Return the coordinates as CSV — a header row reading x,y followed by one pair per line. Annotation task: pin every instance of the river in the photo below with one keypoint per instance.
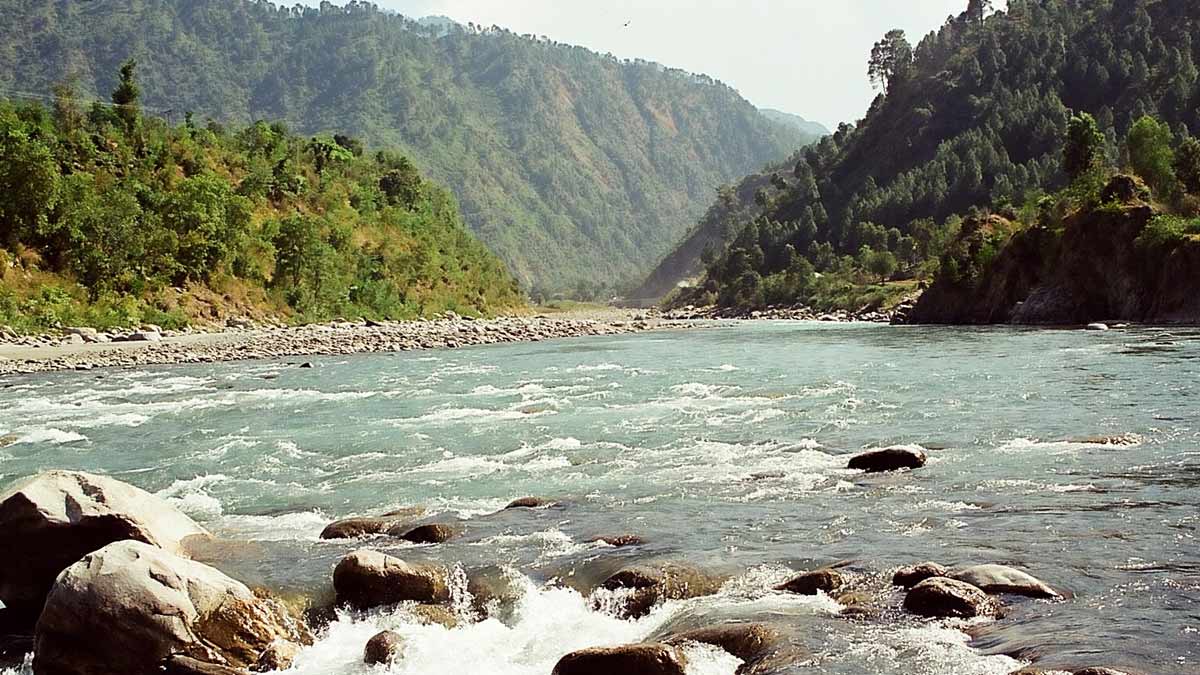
x,y
1073,455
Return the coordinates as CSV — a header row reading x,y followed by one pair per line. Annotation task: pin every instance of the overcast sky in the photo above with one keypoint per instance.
x,y
807,57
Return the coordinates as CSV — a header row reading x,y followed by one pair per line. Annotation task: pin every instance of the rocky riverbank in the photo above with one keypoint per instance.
x,y
85,349
798,313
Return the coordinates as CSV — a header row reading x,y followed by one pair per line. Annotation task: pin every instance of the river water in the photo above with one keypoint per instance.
x,y
1074,455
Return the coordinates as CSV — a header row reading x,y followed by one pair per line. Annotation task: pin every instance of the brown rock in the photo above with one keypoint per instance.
x,y
129,606
747,641
640,659
184,665
433,533
280,655
907,577
352,528
653,584
811,583
383,649
619,540
1095,670
51,520
528,503
889,459
366,579
940,597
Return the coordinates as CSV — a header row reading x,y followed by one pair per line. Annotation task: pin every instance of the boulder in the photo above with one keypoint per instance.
x,y
1001,579
747,641
130,605
51,520
529,503
383,649
432,533
352,528
889,459
1095,670
651,584
279,655
811,583
184,665
366,579
144,336
907,577
618,540
940,597
640,659
1125,189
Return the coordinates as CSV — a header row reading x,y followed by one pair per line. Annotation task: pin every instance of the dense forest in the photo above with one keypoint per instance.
x,y
975,116
578,169
112,217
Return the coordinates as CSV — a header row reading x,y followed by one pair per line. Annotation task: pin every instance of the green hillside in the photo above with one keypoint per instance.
x,y
109,217
579,170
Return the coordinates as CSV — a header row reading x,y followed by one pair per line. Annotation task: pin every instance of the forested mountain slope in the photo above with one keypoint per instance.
x,y
576,168
973,116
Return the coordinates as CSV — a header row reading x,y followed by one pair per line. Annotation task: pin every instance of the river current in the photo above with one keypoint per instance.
x,y
1073,455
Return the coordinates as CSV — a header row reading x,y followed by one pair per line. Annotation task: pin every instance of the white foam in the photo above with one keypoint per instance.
x,y
933,649
49,436
26,668
191,496
300,526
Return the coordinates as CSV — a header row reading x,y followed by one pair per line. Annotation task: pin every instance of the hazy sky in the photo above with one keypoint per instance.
x,y
808,57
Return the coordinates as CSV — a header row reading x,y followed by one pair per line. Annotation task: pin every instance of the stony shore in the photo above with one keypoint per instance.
x,y
84,349
798,313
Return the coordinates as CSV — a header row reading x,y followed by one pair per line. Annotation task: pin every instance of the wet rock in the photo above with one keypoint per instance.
x,y
280,655
353,528
907,577
811,583
640,659
940,597
434,615
529,503
51,520
185,665
383,649
1100,671
1001,579
619,540
1097,326
857,604
163,604
750,642
652,584
8,439
432,533
889,459
366,579
493,592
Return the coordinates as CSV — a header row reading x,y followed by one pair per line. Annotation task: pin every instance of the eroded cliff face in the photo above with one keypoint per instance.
x,y
1093,271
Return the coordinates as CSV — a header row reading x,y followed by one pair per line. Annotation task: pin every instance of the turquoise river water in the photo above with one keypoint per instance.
x,y
725,448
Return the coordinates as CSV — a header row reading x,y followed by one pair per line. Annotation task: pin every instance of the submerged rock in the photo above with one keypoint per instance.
x,y
811,583
366,579
129,606
353,528
907,577
940,597
51,520
652,584
383,649
529,503
433,533
889,459
280,655
619,540
640,659
1001,579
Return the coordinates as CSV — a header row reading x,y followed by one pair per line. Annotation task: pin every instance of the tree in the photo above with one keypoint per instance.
x,y
126,96
881,263
29,181
977,10
890,60
1084,146
1151,156
1187,164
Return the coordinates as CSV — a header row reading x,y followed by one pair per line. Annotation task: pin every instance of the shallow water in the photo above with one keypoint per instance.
x,y
724,447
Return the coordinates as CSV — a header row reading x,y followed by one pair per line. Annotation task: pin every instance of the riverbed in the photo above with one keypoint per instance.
x,y
1073,455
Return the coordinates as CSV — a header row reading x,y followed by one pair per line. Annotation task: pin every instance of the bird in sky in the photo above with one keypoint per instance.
x,y
627,23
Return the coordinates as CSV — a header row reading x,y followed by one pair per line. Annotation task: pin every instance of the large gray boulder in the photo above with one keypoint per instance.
x,y
126,608
1001,579
51,520
366,579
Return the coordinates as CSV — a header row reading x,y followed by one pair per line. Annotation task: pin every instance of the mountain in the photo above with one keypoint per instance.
x,y
578,169
813,130
115,218
973,117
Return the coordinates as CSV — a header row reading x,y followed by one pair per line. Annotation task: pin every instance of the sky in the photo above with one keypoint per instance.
x,y
807,57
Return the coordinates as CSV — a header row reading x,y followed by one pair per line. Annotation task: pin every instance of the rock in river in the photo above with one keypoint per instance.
x,y
352,528
940,597
811,583
128,606
366,579
432,533
384,648
907,577
647,585
998,579
51,520
639,659
889,459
